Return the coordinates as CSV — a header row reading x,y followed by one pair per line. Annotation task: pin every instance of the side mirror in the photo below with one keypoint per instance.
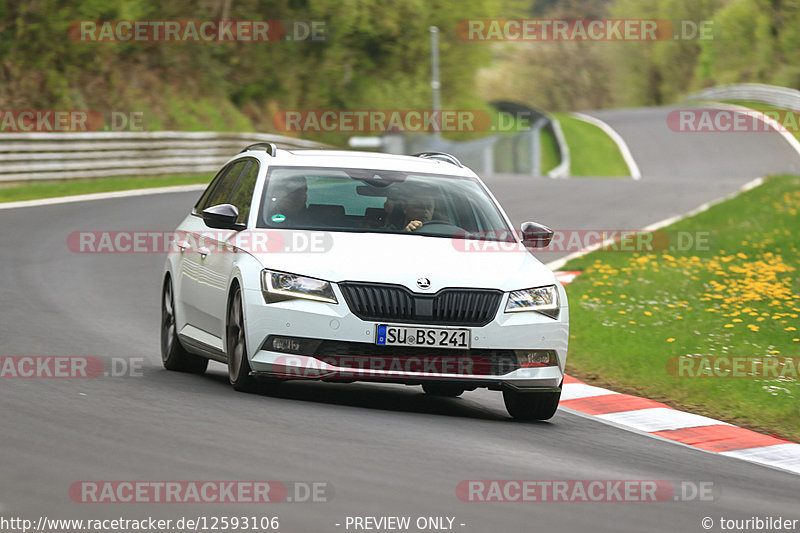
x,y
222,216
536,235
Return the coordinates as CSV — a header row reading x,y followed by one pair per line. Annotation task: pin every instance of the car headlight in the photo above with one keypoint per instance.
x,y
279,286
540,299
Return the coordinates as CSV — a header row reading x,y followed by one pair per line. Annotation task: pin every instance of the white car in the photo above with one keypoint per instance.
x,y
355,266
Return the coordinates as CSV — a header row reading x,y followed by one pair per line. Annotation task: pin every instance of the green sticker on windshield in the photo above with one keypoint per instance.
x,y
278,218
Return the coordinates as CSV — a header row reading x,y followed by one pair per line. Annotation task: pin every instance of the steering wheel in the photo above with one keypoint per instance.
x,y
439,226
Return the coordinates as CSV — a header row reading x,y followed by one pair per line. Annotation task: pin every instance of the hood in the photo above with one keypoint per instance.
x,y
402,259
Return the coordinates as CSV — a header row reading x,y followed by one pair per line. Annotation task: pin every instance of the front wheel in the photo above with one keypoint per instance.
x,y
238,365
173,355
531,405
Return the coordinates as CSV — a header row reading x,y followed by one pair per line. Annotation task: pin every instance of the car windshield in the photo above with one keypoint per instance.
x,y
380,201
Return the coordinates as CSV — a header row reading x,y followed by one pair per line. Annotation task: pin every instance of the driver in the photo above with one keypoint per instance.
x,y
418,208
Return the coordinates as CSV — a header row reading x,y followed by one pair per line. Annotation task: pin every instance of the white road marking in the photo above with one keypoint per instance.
x,y
633,167
783,456
102,196
572,391
788,136
558,264
659,419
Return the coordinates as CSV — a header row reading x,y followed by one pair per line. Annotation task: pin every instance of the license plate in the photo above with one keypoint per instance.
x,y
429,337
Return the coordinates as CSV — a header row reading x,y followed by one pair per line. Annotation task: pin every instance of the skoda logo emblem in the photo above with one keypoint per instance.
x,y
423,283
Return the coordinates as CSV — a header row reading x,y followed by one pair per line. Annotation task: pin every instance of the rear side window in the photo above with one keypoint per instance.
x,y
242,196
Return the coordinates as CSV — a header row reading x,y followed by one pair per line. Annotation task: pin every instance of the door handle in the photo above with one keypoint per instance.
x,y
203,252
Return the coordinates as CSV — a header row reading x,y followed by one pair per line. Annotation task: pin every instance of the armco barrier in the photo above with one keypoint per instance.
x,y
782,97
52,156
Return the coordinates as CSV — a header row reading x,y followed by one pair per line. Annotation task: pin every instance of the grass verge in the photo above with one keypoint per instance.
x,y
592,152
50,189
549,152
738,298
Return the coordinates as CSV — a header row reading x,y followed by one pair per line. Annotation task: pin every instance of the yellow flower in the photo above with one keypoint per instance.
x,y
728,325
671,339
753,327
648,313
737,319
791,328
622,312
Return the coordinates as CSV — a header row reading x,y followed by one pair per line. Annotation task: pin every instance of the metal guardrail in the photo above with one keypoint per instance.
x,y
495,154
783,97
46,156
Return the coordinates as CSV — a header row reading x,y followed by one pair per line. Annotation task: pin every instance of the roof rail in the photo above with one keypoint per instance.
x,y
270,148
440,156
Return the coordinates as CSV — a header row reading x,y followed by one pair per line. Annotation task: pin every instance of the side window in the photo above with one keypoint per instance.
x,y
242,196
222,193
202,203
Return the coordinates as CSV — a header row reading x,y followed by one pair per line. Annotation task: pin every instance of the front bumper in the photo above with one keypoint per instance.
x,y
350,352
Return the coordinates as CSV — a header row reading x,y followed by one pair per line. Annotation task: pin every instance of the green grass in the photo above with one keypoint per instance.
x,y
792,123
631,313
201,114
51,189
592,152
549,151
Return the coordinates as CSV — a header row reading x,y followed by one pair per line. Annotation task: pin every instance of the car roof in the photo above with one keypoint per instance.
x,y
437,164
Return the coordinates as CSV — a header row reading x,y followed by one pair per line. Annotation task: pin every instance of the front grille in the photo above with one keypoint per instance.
x,y
395,303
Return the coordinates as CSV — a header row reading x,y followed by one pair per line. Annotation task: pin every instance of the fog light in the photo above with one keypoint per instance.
x,y
536,358
293,345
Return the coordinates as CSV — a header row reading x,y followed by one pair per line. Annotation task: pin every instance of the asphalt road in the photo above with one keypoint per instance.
x,y
382,449
680,171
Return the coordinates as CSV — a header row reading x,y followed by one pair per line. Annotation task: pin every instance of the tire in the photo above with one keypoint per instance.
x,y
173,355
442,389
531,405
236,346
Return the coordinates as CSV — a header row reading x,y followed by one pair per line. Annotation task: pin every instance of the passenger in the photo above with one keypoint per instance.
x,y
287,200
